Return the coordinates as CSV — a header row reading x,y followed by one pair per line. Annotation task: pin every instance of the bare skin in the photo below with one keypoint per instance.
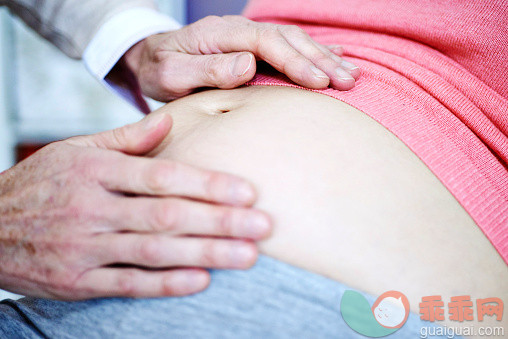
x,y
221,52
78,206
348,199
76,209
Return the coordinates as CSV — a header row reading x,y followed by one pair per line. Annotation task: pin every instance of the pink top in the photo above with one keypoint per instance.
x,y
434,75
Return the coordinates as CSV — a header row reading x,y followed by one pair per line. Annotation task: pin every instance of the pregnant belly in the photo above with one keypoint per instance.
x,y
349,200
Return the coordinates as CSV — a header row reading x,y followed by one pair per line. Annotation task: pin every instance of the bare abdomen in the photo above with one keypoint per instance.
x,y
350,201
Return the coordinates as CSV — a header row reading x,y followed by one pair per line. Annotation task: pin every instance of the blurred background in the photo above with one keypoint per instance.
x,y
45,96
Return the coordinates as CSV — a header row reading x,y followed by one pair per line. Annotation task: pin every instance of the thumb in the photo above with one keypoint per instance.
x,y
136,139
228,70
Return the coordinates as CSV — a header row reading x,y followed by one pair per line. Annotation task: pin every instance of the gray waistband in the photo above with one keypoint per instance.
x,y
271,300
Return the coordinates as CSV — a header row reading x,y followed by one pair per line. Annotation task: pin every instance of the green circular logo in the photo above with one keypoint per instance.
x,y
388,313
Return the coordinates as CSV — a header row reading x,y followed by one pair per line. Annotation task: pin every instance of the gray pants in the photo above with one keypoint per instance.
x,y
271,300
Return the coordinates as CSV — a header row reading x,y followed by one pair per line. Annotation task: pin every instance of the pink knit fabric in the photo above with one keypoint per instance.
x,y
434,74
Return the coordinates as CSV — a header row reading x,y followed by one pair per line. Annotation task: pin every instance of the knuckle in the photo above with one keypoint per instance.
x,y
158,175
270,33
212,70
126,283
120,135
319,58
54,146
290,29
225,221
235,18
209,257
211,20
167,216
169,285
215,185
150,250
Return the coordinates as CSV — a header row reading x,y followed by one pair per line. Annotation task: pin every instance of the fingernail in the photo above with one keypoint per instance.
x,y
243,193
257,225
241,255
352,69
343,75
336,49
151,121
348,65
318,73
242,64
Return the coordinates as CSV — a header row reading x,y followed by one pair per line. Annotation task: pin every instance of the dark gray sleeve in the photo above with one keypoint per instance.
x,y
70,24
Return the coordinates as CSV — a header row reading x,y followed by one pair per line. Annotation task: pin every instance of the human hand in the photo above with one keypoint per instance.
x,y
220,52
85,218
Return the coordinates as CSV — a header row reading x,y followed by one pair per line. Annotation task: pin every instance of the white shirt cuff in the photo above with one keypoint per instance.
x,y
117,35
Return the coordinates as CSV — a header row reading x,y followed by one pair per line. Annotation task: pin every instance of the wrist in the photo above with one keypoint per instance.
x,y
132,58
124,76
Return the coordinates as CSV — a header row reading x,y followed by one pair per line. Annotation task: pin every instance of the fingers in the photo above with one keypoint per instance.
x,y
185,217
138,138
287,48
320,56
278,52
157,177
138,283
161,250
228,70
146,176
292,51
336,49
221,52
